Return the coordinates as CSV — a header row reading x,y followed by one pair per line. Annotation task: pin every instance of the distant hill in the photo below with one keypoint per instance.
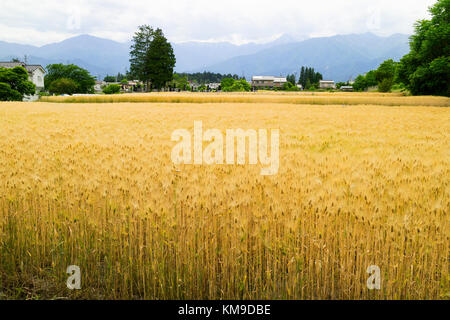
x,y
102,56
198,56
99,56
338,58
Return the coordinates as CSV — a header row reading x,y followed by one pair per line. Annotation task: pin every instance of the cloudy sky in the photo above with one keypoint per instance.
x,y
238,21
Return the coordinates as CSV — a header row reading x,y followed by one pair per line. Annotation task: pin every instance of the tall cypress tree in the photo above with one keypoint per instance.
x,y
151,57
139,64
162,60
309,77
301,80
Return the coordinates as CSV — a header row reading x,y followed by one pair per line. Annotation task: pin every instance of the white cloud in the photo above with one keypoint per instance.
x,y
45,21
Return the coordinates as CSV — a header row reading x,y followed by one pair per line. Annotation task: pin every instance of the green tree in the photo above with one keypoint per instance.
x,y
386,70
308,84
243,85
162,60
302,79
370,78
226,84
109,79
14,84
232,85
426,69
317,78
309,77
151,57
341,84
85,82
182,83
63,86
385,75
111,89
206,77
120,77
360,83
291,79
139,54
385,85
288,86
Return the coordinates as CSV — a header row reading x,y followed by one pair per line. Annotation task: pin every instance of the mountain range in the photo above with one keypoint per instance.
x,y
339,58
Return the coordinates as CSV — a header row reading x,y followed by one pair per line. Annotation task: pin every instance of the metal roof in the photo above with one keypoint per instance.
x,y
269,78
279,79
11,64
29,67
263,78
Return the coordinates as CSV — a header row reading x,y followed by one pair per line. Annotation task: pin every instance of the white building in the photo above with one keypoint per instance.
x,y
213,85
347,88
98,87
327,84
36,75
268,81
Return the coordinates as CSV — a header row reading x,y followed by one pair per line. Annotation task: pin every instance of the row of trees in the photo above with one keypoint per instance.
x,y
233,85
181,80
309,79
384,77
119,78
426,69
206,77
60,79
68,79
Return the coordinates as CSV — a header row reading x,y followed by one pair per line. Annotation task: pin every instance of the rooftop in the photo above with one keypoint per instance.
x,y
29,67
263,78
270,78
279,79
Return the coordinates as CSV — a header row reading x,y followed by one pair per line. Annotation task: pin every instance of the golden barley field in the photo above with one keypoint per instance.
x,y
93,185
314,98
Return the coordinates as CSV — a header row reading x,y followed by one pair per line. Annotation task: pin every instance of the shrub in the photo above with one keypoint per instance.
x,y
385,85
63,86
111,89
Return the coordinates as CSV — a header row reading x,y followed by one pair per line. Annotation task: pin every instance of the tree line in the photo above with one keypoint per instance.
x,y
207,77
425,70
308,79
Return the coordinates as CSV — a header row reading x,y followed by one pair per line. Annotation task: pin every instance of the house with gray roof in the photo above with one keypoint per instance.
x,y
36,74
267,82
